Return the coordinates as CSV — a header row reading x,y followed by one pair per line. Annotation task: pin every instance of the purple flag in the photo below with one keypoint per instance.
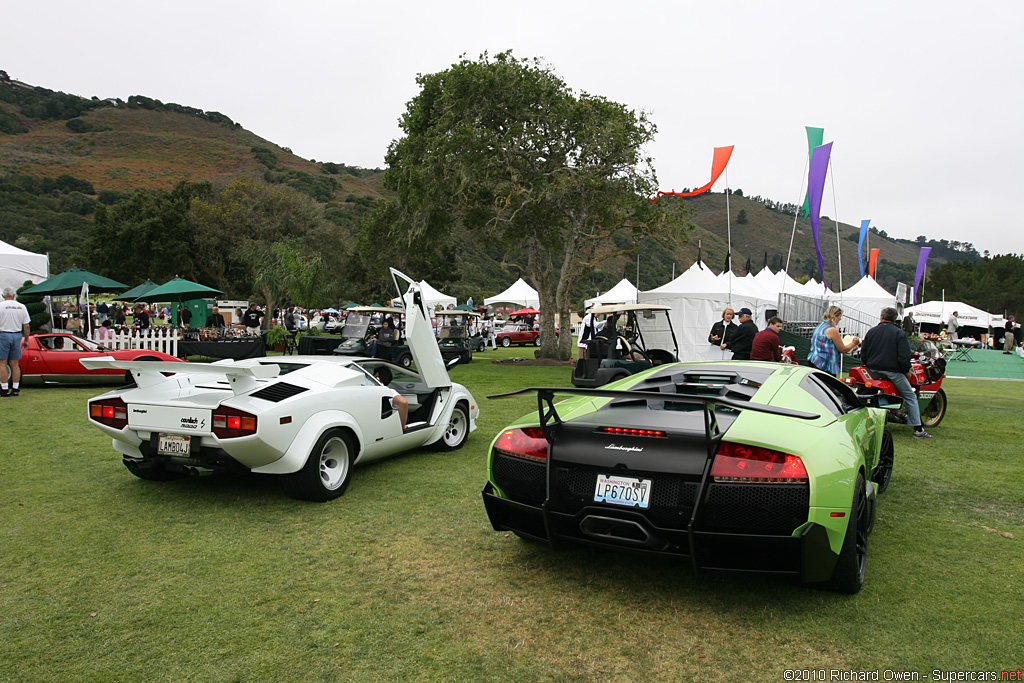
x,y
815,189
860,245
922,260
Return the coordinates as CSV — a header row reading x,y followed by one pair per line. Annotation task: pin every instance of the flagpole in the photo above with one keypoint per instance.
x,y
728,233
796,217
835,208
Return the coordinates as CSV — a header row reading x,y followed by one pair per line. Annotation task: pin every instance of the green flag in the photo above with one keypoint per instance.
x,y
815,136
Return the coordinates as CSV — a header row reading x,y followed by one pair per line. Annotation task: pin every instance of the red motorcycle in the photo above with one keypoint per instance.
x,y
928,368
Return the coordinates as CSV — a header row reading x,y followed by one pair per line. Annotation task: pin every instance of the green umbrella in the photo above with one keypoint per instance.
x,y
464,307
179,289
350,304
70,282
137,291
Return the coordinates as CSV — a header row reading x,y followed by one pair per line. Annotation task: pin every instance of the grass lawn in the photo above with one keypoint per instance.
x,y
105,577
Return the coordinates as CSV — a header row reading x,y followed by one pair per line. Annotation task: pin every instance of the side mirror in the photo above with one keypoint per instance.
x,y
453,362
886,401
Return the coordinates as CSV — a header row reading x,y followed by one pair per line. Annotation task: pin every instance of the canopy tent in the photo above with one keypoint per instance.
x,y
70,283
862,305
622,293
137,291
939,312
179,289
432,297
18,265
697,298
519,293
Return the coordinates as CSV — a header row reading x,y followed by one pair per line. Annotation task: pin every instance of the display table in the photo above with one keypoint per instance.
x,y
243,347
318,346
963,348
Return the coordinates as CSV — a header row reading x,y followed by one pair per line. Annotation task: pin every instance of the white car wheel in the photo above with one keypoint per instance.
x,y
506,342
457,430
327,471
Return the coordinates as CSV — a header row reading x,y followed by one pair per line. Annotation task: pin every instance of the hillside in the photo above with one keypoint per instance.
x,y
61,156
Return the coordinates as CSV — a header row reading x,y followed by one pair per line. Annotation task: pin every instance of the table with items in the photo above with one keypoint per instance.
x,y
223,342
962,349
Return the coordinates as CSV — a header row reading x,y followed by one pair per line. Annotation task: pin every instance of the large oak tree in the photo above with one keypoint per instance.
x,y
503,148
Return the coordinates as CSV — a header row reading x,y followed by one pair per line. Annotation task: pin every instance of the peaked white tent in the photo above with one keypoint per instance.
x,y
622,293
18,265
697,298
519,293
862,305
938,313
432,297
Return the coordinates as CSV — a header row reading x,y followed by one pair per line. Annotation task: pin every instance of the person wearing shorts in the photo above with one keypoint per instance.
x,y
14,331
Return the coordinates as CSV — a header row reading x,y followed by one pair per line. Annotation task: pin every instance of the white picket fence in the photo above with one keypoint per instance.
x,y
163,339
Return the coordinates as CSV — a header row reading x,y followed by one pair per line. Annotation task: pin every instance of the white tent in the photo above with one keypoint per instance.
x,y
432,297
697,298
18,265
862,305
939,312
519,293
622,293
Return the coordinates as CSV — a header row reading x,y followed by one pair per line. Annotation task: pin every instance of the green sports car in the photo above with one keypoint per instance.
x,y
739,466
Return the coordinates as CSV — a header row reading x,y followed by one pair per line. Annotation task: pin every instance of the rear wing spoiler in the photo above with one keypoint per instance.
x,y
549,415
148,373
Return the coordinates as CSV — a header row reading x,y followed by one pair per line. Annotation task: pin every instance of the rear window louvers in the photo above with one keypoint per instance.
x,y
278,392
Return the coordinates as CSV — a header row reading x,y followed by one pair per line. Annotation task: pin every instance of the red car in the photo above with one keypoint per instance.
x,y
54,358
518,333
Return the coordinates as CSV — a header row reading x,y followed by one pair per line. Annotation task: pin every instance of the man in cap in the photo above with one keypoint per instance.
x,y
743,339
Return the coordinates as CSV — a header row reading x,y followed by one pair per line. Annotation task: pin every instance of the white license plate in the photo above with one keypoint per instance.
x,y
627,491
175,444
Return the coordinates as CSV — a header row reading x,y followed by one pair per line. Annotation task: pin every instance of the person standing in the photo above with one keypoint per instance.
x,y
886,353
251,320
589,327
952,325
14,332
184,316
827,344
1008,342
721,333
215,319
743,339
140,318
766,343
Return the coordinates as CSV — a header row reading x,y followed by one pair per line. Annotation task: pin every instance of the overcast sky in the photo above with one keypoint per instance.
x,y
921,99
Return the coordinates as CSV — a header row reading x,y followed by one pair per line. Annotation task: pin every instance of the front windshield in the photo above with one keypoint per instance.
x,y
925,347
356,325
451,332
399,373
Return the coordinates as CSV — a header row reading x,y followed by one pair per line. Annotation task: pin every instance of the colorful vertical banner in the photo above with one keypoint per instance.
x,y
815,189
860,244
922,261
718,164
871,264
815,136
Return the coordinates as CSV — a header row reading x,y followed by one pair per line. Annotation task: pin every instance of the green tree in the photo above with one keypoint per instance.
x,y
741,219
501,146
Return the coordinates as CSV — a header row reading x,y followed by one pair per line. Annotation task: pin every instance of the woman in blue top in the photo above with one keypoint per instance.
x,y
827,343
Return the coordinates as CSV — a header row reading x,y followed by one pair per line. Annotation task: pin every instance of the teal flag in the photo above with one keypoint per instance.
x,y
815,136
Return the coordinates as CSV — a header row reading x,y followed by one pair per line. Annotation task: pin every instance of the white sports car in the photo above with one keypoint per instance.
x,y
308,418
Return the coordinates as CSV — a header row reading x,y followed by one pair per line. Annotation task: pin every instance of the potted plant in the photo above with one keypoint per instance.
x,y
276,337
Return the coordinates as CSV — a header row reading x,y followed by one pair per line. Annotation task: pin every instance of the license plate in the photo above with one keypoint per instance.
x,y
175,444
627,491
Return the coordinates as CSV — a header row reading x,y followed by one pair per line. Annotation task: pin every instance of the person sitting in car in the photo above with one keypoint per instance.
x,y
380,347
398,402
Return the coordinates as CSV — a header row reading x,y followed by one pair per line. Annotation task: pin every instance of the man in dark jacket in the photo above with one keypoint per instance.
x,y
766,343
743,339
886,353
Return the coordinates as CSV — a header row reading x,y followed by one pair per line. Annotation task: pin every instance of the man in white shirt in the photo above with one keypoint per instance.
x,y
14,331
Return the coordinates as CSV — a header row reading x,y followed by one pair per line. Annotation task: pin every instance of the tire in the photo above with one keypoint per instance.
x,y
936,410
536,341
457,431
883,470
327,471
466,356
851,567
405,360
506,342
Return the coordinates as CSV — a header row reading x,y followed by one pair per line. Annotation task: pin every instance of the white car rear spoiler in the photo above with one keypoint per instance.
x,y
148,373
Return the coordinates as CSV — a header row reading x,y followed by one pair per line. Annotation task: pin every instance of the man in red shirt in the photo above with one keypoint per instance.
x,y
766,343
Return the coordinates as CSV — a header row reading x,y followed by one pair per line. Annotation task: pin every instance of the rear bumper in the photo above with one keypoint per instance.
x,y
805,553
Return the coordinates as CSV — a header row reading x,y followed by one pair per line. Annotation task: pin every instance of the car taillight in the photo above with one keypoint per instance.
x,y
112,412
527,443
231,423
737,462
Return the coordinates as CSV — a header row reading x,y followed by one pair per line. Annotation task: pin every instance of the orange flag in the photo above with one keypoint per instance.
x,y
718,164
871,263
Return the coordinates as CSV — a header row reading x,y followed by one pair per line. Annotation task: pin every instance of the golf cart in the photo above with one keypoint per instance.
x,y
453,334
360,329
619,349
